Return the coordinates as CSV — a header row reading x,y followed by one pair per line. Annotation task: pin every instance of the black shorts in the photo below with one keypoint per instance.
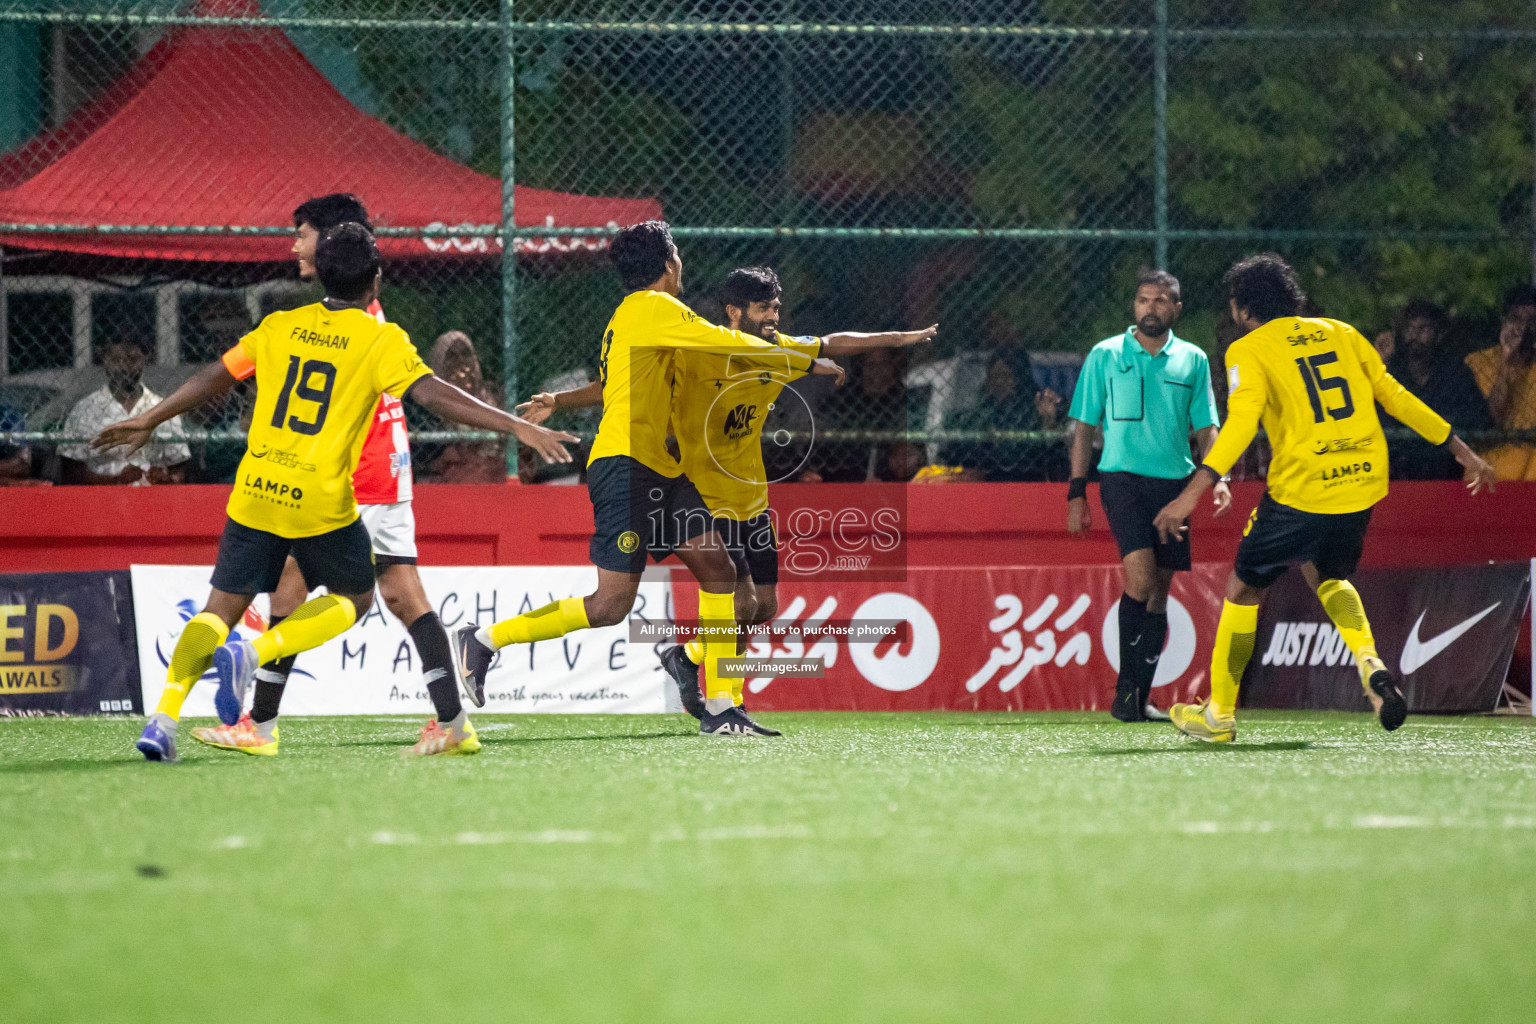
x,y
1131,502
251,561
754,547
636,511
1278,537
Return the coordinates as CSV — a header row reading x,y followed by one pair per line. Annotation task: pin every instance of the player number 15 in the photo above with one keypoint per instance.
x,y
1311,368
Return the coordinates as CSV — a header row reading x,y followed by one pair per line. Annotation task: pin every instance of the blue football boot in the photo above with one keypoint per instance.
x,y
235,663
156,742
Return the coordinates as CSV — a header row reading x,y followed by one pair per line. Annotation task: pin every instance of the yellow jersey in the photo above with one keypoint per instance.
x,y
635,366
719,403
1314,383
319,374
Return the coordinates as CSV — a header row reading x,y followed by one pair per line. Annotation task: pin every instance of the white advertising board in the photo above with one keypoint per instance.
x,y
373,667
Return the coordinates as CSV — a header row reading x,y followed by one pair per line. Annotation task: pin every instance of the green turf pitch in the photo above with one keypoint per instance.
x,y
864,868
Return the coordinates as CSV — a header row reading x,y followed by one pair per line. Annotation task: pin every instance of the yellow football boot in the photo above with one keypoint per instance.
x,y
242,736
1199,721
460,741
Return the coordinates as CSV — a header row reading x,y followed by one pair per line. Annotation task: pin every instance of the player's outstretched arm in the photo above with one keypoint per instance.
x,y
542,405
1479,473
847,343
205,385
827,368
447,402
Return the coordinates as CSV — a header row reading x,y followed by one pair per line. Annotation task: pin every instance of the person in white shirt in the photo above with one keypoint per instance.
x,y
163,461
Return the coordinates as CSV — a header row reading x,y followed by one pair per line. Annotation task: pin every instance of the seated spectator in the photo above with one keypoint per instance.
x,y
1420,360
1010,400
876,402
1506,375
163,461
479,462
15,459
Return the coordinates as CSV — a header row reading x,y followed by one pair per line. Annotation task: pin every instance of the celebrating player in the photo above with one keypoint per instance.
x,y
382,486
1314,384
1150,390
642,501
719,403
319,370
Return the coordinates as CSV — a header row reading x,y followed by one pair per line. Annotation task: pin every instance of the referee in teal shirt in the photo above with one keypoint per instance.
x,y
1150,391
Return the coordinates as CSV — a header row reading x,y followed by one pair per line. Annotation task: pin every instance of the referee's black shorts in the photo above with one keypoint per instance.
x,y
1278,536
1131,502
251,561
753,546
637,511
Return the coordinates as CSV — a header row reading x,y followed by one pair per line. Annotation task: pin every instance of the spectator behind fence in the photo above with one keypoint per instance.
x,y
1416,353
471,462
1507,378
1010,400
124,396
876,401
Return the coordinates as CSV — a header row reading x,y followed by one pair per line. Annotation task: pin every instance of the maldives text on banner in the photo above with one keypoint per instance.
x,y
1008,638
373,667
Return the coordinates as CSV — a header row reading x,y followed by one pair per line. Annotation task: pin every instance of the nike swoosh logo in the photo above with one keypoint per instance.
x,y
1417,653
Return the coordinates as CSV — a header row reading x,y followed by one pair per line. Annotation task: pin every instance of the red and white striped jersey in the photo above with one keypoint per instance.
x,y
383,475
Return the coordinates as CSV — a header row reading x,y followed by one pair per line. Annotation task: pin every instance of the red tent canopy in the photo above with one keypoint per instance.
x,y
225,126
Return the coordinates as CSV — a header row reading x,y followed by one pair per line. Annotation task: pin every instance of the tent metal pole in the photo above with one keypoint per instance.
x,y
508,242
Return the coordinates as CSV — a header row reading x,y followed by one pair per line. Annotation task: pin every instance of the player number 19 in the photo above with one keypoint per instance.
x,y
297,384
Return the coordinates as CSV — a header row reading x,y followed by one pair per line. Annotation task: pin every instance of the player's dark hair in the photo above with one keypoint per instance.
x,y
1519,295
746,285
1265,286
325,212
1160,278
640,253
347,261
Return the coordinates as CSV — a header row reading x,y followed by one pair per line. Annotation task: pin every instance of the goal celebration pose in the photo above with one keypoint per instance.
x,y
642,501
719,405
1314,384
319,370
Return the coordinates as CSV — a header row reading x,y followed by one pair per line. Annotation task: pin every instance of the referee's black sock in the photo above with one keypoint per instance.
x,y
1133,617
431,641
270,681
1154,633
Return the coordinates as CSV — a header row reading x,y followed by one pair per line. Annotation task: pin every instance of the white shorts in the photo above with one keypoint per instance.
x,y
393,531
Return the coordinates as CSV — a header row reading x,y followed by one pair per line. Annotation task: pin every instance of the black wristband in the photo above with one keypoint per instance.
x,y
1448,439
1077,487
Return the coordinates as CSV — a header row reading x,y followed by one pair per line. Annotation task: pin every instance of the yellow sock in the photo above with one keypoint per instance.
x,y
191,658
695,650
312,624
738,691
557,619
717,631
1235,633
1342,603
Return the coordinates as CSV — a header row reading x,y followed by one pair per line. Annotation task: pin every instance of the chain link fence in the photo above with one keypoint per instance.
x,y
999,167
